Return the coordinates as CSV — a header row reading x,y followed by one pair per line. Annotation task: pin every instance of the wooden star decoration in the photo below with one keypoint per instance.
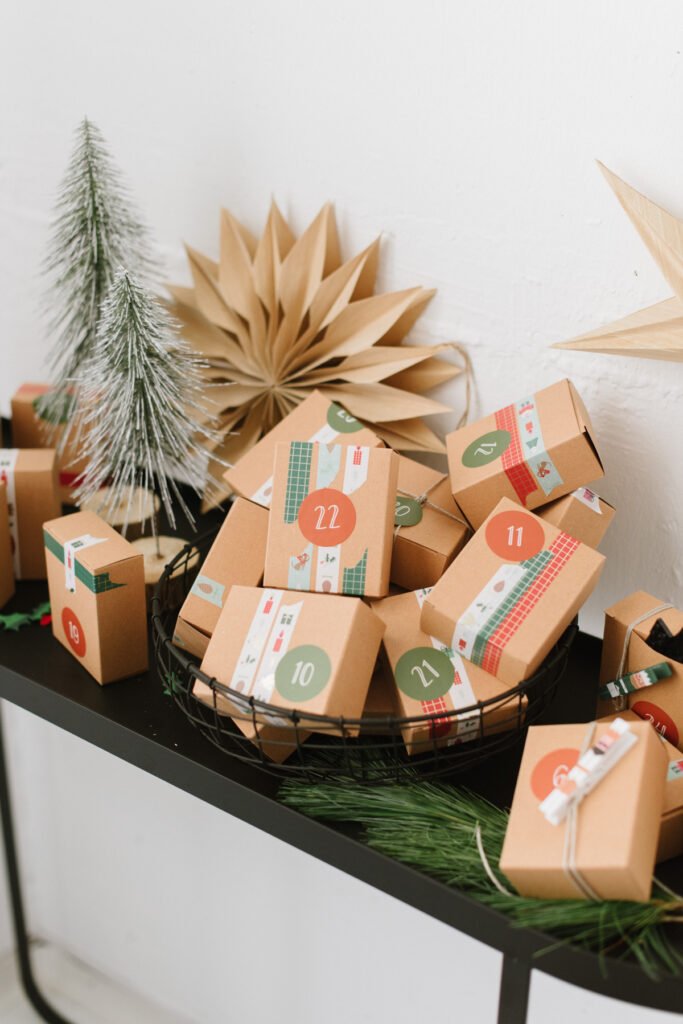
x,y
657,331
279,316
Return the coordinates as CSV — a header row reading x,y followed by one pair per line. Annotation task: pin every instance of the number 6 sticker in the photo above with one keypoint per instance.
x,y
515,536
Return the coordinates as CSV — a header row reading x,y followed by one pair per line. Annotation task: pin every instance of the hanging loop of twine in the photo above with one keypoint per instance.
x,y
621,703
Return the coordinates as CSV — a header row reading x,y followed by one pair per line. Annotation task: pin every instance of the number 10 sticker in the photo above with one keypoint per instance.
x,y
303,673
515,536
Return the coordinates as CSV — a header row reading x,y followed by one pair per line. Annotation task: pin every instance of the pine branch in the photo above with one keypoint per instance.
x,y
432,827
143,413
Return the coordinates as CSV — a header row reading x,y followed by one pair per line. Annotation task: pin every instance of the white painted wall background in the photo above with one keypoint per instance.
x,y
466,134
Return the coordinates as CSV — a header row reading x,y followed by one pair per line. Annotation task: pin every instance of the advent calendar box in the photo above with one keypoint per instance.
x,y
331,520
316,419
582,514
511,593
301,652
6,564
532,451
627,628
29,430
429,527
30,476
97,594
430,678
236,556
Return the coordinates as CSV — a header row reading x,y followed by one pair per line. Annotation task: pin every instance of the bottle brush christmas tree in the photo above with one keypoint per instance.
x,y
96,230
142,406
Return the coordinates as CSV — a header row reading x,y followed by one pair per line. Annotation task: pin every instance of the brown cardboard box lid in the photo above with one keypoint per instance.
x,y
673,790
100,556
36,460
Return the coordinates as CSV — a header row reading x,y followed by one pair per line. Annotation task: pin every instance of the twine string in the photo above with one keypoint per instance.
x,y
569,865
621,703
485,864
423,501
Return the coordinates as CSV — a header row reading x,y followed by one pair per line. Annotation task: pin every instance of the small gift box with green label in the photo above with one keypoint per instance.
x,y
331,521
30,430
96,580
431,679
299,652
237,555
656,696
511,592
429,528
533,451
316,419
585,817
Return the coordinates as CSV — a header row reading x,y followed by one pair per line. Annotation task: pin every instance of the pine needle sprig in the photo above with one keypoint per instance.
x,y
144,418
96,229
433,827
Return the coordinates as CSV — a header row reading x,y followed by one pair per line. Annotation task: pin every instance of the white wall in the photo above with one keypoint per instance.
x,y
466,133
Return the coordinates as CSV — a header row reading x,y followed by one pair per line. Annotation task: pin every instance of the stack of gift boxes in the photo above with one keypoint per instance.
x,y
350,582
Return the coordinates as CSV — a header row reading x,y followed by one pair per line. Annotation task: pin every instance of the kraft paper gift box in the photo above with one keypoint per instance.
x,y
429,528
30,475
671,826
29,430
316,419
625,649
237,555
6,565
581,514
532,451
430,678
301,652
511,592
97,593
615,827
331,521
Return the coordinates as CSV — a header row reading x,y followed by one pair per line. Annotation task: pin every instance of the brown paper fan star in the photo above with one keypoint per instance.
x,y
279,316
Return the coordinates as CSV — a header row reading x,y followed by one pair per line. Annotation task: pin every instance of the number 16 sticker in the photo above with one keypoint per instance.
x,y
515,536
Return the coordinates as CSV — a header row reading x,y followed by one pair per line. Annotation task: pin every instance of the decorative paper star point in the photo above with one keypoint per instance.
x,y
657,331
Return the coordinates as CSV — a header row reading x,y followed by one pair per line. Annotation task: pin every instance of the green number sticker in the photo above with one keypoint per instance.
x,y
341,420
486,448
407,511
424,673
303,673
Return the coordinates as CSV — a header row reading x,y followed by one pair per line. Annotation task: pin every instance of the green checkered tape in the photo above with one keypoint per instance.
x,y
298,478
97,584
534,567
353,579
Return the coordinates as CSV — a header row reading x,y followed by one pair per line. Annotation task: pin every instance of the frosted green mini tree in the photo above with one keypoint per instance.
x,y
145,420
95,231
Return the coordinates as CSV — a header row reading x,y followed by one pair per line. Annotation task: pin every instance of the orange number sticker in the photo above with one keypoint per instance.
x,y
74,632
515,535
327,517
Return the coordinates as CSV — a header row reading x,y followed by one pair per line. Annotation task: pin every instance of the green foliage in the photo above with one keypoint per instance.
x,y
14,621
432,827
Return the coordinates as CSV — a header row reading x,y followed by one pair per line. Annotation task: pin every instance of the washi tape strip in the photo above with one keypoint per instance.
x,y
325,435
632,681
609,748
71,548
8,460
209,590
255,641
533,447
276,647
97,583
512,459
675,771
461,693
588,498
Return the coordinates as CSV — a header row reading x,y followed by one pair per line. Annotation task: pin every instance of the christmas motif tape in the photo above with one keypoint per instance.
x,y
608,749
317,567
208,590
633,681
8,460
97,583
460,692
675,771
71,547
504,603
339,421
525,461
588,498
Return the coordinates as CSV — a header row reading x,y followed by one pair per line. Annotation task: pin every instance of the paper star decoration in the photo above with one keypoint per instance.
x,y
276,317
655,332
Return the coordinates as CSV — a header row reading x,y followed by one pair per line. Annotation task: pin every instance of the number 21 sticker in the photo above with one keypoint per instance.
x,y
424,673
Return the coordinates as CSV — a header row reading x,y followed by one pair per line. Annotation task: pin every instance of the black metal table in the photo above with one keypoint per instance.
x,y
135,721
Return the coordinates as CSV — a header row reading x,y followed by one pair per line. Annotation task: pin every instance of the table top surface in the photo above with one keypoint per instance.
x,y
136,721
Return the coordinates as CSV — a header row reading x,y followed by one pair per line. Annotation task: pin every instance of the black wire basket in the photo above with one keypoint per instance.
x,y
369,749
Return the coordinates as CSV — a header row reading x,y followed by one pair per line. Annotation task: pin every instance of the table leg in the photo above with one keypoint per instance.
x,y
33,993
514,991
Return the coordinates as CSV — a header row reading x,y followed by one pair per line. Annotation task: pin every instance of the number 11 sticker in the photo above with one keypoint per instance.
x,y
515,536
